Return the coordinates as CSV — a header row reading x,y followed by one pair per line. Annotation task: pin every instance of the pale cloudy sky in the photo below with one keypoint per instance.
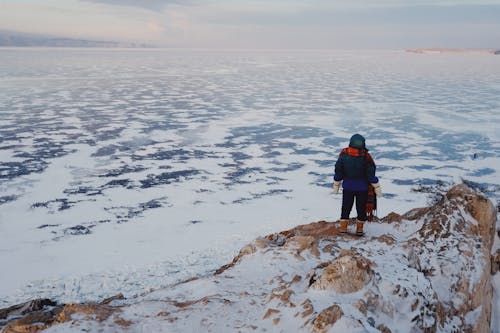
x,y
264,24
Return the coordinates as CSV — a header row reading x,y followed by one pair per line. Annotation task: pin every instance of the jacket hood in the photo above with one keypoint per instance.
x,y
357,141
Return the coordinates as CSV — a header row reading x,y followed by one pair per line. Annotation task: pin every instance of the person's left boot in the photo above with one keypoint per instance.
x,y
359,228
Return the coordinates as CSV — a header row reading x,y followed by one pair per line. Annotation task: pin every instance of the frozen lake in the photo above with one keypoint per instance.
x,y
126,170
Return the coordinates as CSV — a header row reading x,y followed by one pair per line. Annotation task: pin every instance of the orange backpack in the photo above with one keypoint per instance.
x,y
371,204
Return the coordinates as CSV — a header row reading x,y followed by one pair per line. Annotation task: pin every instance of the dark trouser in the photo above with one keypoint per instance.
x,y
348,201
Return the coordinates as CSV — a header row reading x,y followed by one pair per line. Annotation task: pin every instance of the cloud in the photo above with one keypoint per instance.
x,y
154,5
335,16
403,3
156,27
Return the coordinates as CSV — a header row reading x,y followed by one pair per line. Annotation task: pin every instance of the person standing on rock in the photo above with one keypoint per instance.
x,y
355,170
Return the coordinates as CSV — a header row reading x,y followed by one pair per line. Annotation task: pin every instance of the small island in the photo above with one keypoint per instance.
x,y
438,50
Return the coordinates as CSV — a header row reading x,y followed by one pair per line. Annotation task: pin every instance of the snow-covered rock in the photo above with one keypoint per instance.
x,y
348,273
428,270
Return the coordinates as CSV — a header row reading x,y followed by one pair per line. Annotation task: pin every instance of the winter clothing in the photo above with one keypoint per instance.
x,y
377,189
355,168
343,226
336,186
348,201
357,141
359,228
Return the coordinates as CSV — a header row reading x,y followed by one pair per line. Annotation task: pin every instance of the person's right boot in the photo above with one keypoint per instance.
x,y
359,228
343,226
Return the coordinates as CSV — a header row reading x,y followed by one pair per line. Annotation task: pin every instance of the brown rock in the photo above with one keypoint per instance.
x,y
450,218
480,297
163,314
185,281
113,298
95,311
283,295
317,230
323,264
479,207
346,274
392,218
301,243
384,329
415,305
185,304
246,250
41,320
260,242
296,278
330,248
416,213
270,312
33,322
495,262
308,308
372,301
388,239
327,318
361,306
122,322
225,267
26,308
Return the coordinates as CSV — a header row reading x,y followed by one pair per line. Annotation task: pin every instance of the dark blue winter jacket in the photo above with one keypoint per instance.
x,y
356,168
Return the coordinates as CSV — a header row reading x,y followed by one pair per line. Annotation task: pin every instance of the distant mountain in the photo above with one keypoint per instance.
x,y
12,38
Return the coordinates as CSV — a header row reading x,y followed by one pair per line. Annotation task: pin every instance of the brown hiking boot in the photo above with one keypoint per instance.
x,y
343,226
359,228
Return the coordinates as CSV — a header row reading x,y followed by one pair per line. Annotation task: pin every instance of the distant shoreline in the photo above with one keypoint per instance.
x,y
124,46
20,39
455,51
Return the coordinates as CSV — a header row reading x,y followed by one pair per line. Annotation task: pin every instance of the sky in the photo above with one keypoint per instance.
x,y
268,24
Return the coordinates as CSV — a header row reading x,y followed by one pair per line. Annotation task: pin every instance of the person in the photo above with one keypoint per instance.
x,y
355,170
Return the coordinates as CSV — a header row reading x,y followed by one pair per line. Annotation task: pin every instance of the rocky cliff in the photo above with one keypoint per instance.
x,y
428,270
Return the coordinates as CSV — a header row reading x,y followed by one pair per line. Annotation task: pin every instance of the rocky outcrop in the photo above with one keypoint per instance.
x,y
327,318
428,270
300,234
42,314
348,273
453,246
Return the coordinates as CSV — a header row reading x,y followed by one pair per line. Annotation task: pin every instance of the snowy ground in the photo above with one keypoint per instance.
x,y
126,170
396,276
